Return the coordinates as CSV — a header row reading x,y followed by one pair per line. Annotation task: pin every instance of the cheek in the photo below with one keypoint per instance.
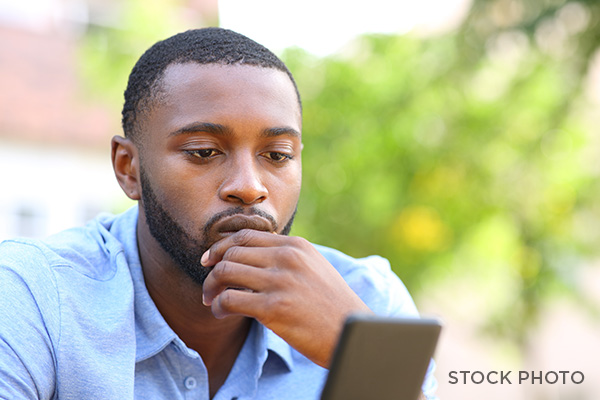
x,y
194,199
289,190
186,194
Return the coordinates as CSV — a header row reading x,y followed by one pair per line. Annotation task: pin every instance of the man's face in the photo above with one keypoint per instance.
x,y
221,153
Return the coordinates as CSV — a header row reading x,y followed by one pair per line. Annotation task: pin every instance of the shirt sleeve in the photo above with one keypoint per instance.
x,y
28,298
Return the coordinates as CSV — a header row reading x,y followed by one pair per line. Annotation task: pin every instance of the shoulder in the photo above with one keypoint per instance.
x,y
63,300
38,274
52,270
374,281
24,261
374,268
86,250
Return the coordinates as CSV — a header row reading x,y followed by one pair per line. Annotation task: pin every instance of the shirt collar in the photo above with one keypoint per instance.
x,y
152,332
278,347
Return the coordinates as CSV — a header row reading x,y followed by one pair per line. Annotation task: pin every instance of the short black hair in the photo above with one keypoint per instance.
x,y
203,46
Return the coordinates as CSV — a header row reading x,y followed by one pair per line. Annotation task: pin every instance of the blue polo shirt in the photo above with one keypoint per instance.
x,y
76,322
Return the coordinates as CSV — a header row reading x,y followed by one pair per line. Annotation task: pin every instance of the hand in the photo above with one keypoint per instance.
x,y
284,283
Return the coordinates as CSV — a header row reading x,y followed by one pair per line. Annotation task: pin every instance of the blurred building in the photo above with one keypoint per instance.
x,y
55,169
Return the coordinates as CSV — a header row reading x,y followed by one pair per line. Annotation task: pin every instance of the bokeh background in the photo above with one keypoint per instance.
x,y
457,138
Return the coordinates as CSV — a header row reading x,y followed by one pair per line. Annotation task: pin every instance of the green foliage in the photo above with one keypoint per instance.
x,y
457,156
108,52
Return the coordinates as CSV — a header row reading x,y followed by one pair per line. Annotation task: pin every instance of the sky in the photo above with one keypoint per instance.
x,y
319,26
324,26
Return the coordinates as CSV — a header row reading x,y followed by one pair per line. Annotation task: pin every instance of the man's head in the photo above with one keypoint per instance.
x,y
213,143
202,46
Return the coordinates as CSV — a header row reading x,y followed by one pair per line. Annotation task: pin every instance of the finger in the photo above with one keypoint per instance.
x,y
242,238
227,274
260,257
232,302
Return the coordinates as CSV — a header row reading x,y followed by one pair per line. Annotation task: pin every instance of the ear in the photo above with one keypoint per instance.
x,y
126,164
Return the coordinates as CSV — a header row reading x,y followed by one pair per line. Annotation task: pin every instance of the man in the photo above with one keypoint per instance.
x,y
200,293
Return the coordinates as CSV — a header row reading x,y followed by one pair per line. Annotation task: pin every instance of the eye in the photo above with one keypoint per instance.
x,y
203,153
278,157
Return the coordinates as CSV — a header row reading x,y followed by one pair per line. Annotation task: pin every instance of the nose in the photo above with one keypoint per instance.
x,y
243,183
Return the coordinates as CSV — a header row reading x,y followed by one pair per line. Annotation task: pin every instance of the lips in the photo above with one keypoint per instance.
x,y
229,225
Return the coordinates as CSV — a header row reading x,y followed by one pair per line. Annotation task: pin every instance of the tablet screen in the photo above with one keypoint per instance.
x,y
381,358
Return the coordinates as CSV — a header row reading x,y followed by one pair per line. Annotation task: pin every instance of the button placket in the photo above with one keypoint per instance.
x,y
190,383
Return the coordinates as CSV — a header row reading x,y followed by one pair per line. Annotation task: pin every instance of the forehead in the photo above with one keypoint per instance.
x,y
213,90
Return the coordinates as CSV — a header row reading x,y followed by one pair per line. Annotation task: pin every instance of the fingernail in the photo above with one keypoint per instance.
x,y
204,300
204,258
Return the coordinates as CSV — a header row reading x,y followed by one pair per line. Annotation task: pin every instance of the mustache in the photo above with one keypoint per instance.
x,y
239,211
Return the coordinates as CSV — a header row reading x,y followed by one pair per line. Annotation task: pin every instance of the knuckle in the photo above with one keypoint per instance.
x,y
222,270
268,314
286,308
242,237
232,253
298,242
275,307
281,305
226,301
281,253
289,254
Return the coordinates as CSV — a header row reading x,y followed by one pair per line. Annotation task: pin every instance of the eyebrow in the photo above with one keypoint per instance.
x,y
279,131
194,127
221,130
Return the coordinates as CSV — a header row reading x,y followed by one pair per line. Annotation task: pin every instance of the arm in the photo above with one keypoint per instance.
x,y
26,356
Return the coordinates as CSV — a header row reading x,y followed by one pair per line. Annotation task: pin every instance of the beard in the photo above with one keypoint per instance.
x,y
183,248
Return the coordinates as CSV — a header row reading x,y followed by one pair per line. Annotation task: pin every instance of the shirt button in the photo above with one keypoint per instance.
x,y
190,383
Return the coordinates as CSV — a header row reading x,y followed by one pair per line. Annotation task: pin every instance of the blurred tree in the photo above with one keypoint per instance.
x,y
465,156
125,30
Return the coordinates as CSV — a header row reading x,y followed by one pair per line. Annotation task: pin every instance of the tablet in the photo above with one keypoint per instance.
x,y
381,358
